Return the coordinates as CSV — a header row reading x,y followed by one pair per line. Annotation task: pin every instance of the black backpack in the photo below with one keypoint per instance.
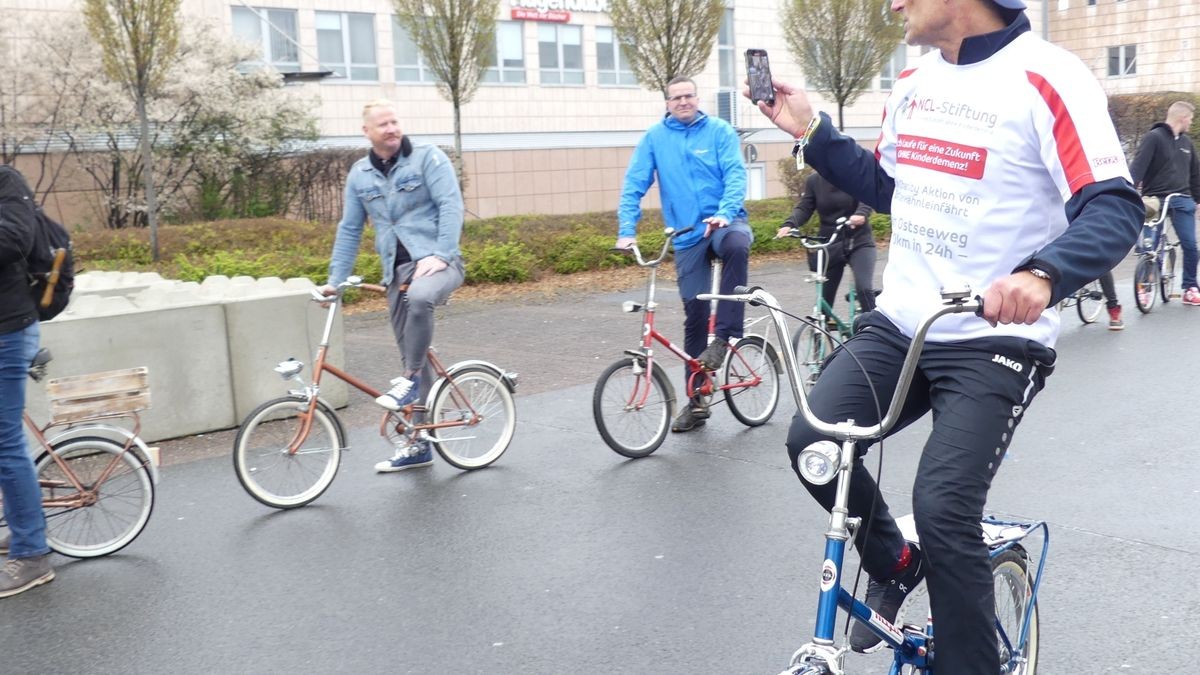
x,y
50,264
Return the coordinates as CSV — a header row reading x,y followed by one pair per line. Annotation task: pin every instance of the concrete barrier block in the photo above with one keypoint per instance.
x,y
184,348
266,329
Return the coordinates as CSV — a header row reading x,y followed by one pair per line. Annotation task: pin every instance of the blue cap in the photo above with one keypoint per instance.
x,y
1010,4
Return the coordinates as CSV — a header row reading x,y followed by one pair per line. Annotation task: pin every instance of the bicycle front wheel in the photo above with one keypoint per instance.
x,y
811,346
1090,302
114,507
1166,280
267,468
632,408
750,359
1145,278
1010,579
480,417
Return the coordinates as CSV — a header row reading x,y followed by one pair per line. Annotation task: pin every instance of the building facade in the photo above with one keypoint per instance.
x,y
1132,46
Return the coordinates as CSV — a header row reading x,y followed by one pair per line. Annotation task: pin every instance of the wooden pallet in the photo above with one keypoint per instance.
x,y
113,392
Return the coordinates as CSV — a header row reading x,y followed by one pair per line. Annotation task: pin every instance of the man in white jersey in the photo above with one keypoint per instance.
x,y
1001,169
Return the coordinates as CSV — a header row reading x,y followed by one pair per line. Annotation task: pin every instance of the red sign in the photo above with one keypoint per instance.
x,y
961,160
552,16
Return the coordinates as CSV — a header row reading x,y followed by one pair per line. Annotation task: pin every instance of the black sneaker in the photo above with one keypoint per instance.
x,y
688,420
713,356
699,407
885,597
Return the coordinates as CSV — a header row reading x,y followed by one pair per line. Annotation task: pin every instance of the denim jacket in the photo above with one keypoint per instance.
x,y
418,203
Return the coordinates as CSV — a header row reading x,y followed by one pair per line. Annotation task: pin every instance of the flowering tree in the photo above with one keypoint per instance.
x,y
218,136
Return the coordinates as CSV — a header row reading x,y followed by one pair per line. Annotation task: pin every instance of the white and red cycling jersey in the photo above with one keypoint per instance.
x,y
984,156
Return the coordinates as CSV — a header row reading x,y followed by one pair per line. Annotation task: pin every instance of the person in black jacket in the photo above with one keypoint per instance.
x,y
1166,163
858,247
28,562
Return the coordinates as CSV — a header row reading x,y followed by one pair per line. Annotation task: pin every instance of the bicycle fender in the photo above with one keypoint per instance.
x,y
509,379
139,446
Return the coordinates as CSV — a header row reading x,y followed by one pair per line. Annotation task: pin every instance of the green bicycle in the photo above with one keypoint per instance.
x,y
813,345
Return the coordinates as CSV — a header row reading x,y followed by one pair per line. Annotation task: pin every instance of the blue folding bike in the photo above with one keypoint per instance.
x,y
912,638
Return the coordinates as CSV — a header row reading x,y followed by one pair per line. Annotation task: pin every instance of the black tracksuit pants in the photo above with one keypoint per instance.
x,y
978,391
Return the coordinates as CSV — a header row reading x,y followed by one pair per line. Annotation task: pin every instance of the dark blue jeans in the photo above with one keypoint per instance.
x,y
18,480
1183,218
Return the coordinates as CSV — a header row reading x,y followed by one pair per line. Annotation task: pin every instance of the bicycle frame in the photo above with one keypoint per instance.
x,y
311,391
650,335
911,646
1159,227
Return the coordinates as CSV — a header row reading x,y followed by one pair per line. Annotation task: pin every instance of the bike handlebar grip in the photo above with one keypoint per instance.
x,y
979,309
381,289
684,230
743,290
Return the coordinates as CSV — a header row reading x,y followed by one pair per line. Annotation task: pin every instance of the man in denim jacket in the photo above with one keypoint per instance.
x,y
411,194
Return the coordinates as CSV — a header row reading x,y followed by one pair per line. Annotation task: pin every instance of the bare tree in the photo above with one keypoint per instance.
x,y
139,40
665,39
841,44
457,39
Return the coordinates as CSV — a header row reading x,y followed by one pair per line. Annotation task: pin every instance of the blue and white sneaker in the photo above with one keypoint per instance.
x,y
412,457
404,391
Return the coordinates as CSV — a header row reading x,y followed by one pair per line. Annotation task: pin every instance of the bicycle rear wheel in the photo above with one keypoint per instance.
x,y
811,346
752,357
115,510
1010,579
1166,281
1089,302
632,408
1145,278
481,410
273,475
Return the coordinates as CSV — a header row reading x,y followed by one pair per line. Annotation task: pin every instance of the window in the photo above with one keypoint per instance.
x,y
893,67
273,31
1122,61
509,63
612,66
560,52
346,44
726,52
410,64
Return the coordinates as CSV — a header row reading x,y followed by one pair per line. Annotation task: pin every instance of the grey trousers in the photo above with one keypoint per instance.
x,y
412,313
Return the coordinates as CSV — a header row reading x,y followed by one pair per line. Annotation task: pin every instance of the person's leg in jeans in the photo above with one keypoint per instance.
x,y
1109,287
862,263
18,478
835,269
693,276
732,245
412,313
1183,219
977,404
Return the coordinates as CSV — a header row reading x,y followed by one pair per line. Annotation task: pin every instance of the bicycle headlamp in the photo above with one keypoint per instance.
x,y
820,461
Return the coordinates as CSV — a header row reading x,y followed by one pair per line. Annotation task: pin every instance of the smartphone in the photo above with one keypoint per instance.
x,y
758,73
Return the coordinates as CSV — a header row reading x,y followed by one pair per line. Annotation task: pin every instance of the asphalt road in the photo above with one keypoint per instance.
x,y
564,557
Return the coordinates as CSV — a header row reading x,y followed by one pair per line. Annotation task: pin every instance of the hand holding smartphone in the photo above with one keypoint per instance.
x,y
758,73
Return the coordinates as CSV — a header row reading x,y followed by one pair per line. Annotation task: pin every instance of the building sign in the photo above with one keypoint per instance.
x,y
553,16
558,6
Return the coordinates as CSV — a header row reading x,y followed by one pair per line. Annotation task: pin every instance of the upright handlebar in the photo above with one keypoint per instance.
x,y
958,302
670,232
815,243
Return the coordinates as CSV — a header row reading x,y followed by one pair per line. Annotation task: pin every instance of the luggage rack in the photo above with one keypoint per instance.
x,y
112,393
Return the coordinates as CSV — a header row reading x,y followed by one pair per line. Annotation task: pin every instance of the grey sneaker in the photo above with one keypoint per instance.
x,y
4,543
713,355
21,574
688,420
